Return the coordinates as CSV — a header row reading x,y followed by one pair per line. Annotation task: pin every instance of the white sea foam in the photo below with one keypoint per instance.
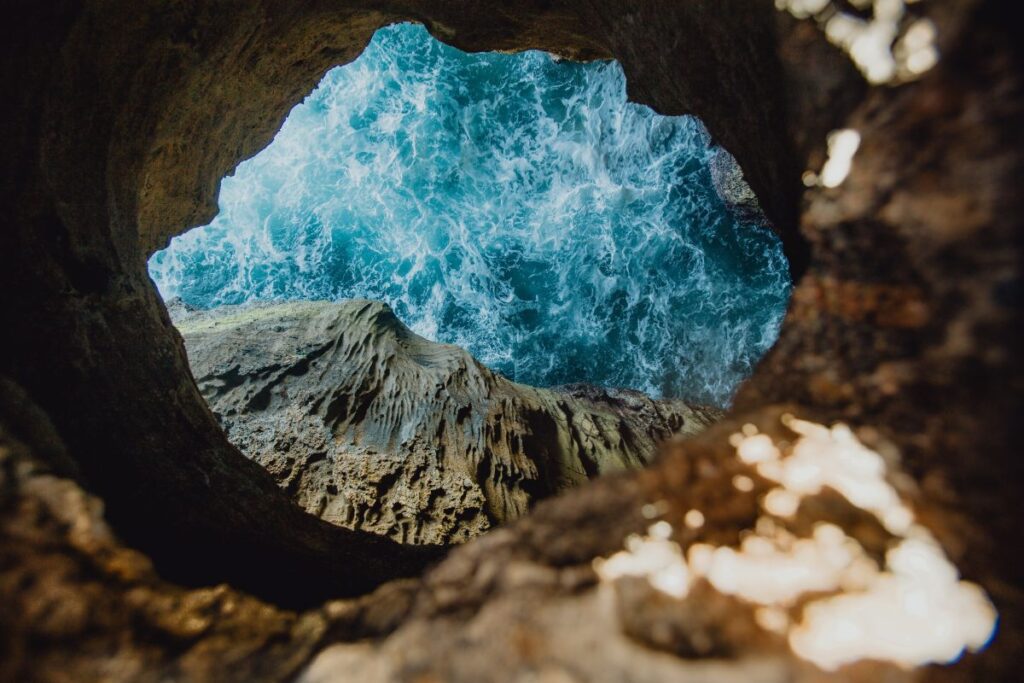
x,y
512,204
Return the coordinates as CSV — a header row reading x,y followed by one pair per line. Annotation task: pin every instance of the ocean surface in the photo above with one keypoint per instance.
x,y
515,205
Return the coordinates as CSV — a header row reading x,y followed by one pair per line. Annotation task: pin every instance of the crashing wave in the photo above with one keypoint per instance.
x,y
515,205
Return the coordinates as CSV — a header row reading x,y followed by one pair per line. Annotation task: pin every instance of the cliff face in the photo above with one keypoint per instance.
x,y
369,426
905,324
733,189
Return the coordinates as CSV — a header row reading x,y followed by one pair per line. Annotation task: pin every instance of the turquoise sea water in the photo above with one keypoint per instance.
x,y
515,205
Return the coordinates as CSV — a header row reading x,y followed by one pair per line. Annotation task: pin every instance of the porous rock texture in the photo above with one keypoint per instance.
x,y
119,120
69,587
368,425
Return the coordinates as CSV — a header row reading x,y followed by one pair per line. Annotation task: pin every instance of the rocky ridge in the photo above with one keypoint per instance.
x,y
372,427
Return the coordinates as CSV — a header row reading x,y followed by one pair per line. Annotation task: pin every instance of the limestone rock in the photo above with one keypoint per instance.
x,y
370,426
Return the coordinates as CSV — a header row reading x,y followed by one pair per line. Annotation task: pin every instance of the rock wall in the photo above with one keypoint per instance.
x,y
124,121
367,425
906,324
71,590
731,186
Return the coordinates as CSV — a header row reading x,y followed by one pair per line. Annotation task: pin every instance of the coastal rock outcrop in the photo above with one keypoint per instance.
x,y
370,426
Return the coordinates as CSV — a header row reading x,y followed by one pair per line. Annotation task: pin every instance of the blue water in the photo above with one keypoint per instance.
x,y
515,205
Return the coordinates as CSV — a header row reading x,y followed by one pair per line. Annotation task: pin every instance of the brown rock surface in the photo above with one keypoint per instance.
x,y
121,118
527,603
79,606
122,123
369,426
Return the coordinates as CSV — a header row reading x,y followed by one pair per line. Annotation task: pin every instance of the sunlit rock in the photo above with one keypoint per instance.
x,y
370,426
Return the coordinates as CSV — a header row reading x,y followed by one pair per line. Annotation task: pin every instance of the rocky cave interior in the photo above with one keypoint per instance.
x,y
456,284
881,139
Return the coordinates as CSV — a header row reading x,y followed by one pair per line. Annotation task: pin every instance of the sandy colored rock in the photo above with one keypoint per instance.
x,y
367,425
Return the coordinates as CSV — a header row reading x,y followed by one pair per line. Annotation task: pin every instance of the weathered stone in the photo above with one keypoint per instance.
x,y
121,126
367,425
906,322
79,606
473,619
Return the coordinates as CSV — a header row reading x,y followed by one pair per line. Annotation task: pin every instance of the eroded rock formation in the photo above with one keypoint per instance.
x,y
527,601
367,425
906,324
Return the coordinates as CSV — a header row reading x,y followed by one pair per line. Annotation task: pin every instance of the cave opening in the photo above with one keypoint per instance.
x,y
456,284
125,503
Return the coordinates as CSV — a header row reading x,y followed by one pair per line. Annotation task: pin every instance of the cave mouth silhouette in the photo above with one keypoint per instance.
x,y
98,351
